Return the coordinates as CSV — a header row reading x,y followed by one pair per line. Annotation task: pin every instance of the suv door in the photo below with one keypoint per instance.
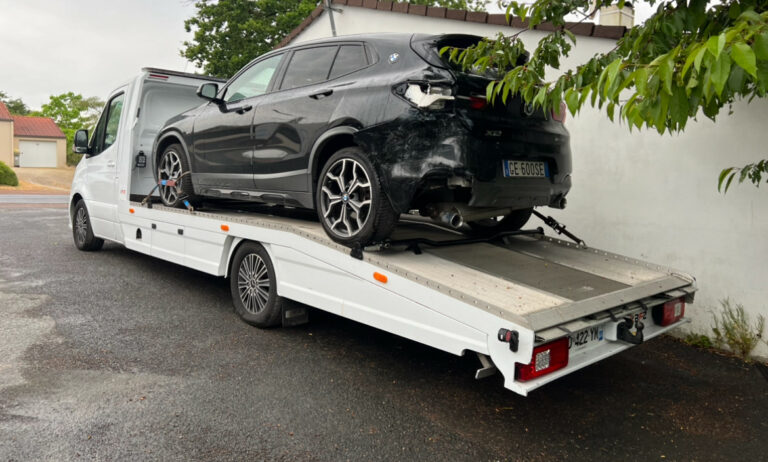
x,y
101,169
222,142
291,118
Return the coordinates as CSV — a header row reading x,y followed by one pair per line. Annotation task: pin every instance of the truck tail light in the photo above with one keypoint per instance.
x,y
546,358
559,116
669,313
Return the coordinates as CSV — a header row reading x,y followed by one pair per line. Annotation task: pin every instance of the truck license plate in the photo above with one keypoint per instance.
x,y
585,338
525,169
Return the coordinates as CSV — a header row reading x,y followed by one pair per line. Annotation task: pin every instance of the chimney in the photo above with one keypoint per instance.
x,y
613,16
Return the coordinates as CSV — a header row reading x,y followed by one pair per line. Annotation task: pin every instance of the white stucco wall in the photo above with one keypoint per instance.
x,y
641,194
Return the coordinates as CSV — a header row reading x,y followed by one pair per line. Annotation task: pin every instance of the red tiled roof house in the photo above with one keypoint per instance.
x,y
40,142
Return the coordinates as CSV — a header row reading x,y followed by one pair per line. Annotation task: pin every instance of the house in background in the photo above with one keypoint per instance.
x,y
39,141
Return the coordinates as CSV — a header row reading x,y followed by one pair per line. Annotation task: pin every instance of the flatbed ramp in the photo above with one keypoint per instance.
x,y
538,282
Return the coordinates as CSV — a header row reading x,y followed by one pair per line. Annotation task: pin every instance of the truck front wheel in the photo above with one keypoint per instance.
x,y
254,288
82,231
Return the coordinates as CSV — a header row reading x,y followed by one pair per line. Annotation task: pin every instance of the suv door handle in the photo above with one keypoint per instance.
x,y
243,109
111,163
321,94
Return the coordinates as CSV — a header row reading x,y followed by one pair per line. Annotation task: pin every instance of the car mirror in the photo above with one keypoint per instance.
x,y
81,142
209,91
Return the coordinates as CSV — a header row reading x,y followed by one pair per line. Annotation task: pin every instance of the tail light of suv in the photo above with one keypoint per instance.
x,y
546,358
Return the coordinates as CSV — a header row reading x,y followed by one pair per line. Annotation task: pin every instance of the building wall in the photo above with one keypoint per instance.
x,y
61,147
641,194
6,142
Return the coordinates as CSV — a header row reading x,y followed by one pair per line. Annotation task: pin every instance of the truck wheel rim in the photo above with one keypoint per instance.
x,y
346,197
253,283
81,225
170,169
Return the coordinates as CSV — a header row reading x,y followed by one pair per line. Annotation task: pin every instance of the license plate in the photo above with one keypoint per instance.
x,y
585,338
525,169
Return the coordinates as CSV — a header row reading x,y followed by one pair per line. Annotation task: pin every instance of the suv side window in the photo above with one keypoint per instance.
x,y
308,66
105,133
254,81
349,59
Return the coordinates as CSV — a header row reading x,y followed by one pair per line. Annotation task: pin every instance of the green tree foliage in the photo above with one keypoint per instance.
x,y
7,175
687,58
230,33
72,112
15,105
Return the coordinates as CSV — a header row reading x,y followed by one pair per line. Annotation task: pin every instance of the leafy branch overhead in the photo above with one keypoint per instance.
x,y
687,57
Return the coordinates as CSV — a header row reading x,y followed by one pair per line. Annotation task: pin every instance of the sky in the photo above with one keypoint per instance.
x,y
49,47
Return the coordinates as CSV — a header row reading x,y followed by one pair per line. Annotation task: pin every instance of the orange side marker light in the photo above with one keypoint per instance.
x,y
225,227
131,210
380,277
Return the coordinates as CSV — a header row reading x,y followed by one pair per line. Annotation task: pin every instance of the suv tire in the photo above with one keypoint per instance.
x,y
350,202
174,165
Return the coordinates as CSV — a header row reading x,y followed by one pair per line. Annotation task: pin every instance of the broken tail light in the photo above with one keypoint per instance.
x,y
559,116
546,358
669,313
428,96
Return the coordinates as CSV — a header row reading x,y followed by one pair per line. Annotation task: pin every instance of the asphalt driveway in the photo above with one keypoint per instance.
x,y
114,355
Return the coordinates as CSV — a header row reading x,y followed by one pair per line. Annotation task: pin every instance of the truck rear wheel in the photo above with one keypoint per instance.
x,y
254,288
82,231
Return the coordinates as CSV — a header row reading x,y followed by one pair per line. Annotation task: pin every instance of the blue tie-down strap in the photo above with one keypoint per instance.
x,y
170,183
187,204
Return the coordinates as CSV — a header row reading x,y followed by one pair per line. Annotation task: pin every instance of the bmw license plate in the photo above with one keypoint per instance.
x,y
585,339
524,169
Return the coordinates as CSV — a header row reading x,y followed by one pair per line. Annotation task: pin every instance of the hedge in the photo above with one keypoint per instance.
x,y
8,176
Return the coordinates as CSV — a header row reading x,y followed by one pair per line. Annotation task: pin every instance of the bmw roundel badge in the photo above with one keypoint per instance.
x,y
394,57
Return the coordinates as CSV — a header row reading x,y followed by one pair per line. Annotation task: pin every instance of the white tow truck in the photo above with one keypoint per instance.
x,y
530,306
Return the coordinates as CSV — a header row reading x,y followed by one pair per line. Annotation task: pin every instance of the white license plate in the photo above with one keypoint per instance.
x,y
585,338
525,169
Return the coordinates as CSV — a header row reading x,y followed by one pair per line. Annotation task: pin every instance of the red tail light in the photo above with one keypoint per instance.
x,y
559,116
669,313
546,358
477,103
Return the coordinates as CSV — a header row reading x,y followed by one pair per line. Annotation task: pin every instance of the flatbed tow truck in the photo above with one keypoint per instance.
x,y
531,306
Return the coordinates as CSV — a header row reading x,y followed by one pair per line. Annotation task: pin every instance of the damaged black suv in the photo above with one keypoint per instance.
x,y
365,128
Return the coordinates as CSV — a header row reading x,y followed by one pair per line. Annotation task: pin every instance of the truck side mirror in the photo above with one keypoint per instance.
x,y
209,91
81,142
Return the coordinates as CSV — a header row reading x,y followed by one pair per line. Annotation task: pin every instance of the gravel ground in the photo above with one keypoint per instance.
x,y
114,355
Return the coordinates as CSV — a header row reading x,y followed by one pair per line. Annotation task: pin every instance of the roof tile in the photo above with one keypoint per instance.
x,y
43,127
5,114
585,28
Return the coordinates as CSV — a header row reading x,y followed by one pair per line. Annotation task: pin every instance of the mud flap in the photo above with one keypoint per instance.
x,y
294,313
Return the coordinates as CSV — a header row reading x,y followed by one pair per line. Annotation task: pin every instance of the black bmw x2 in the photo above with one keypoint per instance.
x,y
362,129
